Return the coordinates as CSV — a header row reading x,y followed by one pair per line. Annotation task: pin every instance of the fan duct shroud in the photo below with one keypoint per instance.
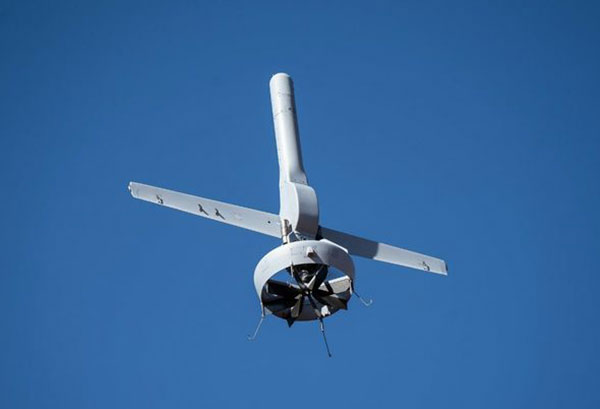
x,y
311,293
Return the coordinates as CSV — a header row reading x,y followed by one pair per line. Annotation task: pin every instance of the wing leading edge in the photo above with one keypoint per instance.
x,y
359,246
255,220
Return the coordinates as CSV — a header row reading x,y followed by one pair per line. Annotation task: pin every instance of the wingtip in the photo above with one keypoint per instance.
x,y
440,269
130,188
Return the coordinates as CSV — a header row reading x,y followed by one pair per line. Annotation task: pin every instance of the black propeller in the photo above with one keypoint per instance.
x,y
288,300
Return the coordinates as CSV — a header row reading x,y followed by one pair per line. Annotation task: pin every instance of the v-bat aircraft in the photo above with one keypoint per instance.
x,y
314,261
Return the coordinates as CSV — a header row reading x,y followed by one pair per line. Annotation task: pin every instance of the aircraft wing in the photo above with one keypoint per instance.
x,y
255,220
359,246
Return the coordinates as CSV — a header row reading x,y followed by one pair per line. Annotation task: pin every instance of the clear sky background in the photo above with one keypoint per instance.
x,y
462,130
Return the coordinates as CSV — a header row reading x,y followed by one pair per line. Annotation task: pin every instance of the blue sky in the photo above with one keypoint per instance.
x,y
463,130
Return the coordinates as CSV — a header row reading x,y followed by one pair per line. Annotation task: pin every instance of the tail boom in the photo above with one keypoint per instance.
x,y
289,154
299,206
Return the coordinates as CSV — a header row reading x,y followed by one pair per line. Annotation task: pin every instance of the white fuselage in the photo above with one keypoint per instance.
x,y
299,206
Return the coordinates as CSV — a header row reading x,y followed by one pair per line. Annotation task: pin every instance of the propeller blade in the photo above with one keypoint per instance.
x,y
282,289
314,307
270,299
297,307
332,301
295,311
277,308
318,278
274,300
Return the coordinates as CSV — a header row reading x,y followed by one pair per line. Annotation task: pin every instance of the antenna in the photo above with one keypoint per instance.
x,y
322,328
362,300
253,337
